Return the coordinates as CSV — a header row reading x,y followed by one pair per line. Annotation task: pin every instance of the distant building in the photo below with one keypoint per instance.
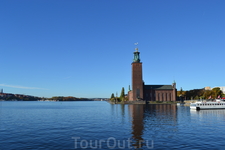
x,y
222,88
140,91
1,91
207,88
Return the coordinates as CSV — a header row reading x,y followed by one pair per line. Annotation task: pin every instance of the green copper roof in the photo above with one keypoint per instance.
x,y
136,57
158,87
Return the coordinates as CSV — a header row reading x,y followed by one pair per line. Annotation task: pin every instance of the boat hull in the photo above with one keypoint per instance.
x,y
208,105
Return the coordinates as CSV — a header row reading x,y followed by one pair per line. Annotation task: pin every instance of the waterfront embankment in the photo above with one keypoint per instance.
x,y
143,102
187,102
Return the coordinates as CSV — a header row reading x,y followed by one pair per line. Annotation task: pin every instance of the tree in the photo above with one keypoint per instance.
x,y
196,93
122,95
112,97
216,92
196,97
207,94
181,91
223,95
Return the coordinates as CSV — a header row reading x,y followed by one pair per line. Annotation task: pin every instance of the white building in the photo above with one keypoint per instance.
x,y
222,88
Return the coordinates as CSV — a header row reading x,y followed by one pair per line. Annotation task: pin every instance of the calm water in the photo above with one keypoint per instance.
x,y
100,125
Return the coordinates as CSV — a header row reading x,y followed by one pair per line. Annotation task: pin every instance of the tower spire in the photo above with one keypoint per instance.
x,y
136,49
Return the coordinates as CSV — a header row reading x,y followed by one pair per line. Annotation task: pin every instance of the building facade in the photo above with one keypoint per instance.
x,y
140,91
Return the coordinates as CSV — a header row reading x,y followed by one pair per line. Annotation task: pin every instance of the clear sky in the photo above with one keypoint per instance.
x,y
84,48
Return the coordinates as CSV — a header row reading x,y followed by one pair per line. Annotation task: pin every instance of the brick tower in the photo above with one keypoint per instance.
x,y
137,82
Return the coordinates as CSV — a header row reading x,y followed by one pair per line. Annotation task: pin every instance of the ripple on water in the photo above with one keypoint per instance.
x,y
52,125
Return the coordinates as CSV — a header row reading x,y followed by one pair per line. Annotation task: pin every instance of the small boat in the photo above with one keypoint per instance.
x,y
214,104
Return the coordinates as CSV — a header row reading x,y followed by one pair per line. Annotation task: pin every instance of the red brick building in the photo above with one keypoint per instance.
x,y
140,91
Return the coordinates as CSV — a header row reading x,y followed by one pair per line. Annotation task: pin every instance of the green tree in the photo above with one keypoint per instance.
x,y
223,95
122,95
207,94
196,98
196,93
112,97
216,92
181,91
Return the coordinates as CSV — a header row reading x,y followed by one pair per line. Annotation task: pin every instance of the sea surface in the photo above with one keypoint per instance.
x,y
101,125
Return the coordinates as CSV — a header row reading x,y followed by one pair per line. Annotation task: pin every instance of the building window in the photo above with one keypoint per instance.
x,y
166,97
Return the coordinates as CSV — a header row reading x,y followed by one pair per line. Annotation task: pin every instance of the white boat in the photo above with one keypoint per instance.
x,y
215,104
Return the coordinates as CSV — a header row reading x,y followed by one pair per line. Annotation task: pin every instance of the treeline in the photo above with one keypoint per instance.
x,y
121,98
69,98
21,98
200,94
13,97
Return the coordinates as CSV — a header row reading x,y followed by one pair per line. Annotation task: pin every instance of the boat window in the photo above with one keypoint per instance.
x,y
193,104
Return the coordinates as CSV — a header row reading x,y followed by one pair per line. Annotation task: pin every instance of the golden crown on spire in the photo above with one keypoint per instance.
x,y
136,46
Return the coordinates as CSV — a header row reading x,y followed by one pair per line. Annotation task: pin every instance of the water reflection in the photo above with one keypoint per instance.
x,y
154,119
217,113
137,115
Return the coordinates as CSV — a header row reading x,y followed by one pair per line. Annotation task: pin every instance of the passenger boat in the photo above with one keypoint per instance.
x,y
215,104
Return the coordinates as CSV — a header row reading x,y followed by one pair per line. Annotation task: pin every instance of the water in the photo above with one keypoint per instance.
x,y
100,125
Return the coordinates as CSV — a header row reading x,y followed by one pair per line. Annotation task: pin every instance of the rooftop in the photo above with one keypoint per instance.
x,y
158,87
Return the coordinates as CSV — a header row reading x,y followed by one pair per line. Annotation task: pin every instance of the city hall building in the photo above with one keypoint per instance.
x,y
140,91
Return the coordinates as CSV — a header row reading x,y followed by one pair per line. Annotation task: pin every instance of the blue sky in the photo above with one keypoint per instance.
x,y
84,48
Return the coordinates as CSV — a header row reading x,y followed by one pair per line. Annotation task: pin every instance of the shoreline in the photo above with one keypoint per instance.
x,y
143,102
